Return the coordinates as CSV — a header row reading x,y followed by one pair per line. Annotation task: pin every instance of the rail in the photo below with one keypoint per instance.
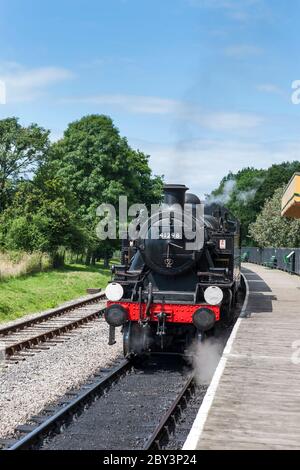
x,y
46,326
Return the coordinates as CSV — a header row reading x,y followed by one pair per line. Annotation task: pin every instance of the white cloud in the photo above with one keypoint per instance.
x,y
130,103
2,92
226,4
269,88
239,10
56,134
27,84
230,121
201,164
240,51
101,62
180,110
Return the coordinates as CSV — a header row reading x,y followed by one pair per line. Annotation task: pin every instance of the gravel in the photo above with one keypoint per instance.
x,y
28,386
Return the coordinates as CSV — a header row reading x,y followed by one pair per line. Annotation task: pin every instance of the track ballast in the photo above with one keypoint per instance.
x,y
29,334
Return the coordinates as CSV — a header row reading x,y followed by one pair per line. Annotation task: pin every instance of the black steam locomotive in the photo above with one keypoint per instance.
x,y
175,286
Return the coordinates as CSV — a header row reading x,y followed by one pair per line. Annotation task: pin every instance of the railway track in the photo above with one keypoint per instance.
x,y
127,407
139,417
54,418
27,336
161,435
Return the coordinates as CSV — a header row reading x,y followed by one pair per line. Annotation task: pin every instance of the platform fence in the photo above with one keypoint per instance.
x,y
286,259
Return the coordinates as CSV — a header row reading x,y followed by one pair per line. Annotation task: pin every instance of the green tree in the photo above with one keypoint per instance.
x,y
43,220
237,192
275,177
272,230
98,166
245,192
22,149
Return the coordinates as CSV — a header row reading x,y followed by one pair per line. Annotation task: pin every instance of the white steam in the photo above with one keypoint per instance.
x,y
230,188
204,358
224,197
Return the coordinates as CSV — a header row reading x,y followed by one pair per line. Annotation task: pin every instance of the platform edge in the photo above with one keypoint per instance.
x,y
195,433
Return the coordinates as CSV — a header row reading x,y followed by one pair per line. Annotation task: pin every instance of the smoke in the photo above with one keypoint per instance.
x,y
204,358
230,188
224,197
246,196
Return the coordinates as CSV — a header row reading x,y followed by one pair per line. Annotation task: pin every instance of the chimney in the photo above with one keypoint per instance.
x,y
174,194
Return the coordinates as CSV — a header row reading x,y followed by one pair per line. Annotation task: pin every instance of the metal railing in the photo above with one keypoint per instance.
x,y
286,259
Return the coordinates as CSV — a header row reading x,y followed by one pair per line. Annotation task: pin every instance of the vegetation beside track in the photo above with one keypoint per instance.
x,y
41,291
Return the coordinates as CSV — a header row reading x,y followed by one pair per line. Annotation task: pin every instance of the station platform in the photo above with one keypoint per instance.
x,y
253,401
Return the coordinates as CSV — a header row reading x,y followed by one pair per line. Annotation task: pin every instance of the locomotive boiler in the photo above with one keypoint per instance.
x,y
174,286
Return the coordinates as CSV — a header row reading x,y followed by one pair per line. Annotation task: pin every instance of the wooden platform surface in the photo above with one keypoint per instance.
x,y
257,400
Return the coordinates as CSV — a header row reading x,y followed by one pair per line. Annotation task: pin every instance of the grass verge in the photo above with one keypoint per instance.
x,y
41,291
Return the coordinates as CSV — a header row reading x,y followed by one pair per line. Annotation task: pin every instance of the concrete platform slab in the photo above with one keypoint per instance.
x,y
253,401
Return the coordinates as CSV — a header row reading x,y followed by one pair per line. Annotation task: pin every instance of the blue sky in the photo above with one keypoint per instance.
x,y
203,86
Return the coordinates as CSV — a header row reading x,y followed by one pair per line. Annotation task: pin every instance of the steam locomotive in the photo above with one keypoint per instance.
x,y
171,290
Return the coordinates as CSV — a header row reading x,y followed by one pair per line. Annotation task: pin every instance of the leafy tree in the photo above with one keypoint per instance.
x,y
237,192
22,149
275,177
272,230
245,192
41,219
98,166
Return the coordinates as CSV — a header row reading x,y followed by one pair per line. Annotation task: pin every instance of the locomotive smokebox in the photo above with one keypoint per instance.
x,y
204,319
174,194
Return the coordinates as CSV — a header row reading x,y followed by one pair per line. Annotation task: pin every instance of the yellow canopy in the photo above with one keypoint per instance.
x,y
290,204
